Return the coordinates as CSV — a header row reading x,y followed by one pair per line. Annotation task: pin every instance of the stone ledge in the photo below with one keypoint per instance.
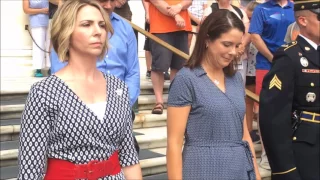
x,y
158,165
9,154
146,141
13,85
146,119
11,108
9,129
159,161
10,61
143,120
145,102
146,84
151,99
27,52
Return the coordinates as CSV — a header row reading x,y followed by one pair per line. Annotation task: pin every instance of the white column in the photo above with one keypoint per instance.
x,y
13,21
138,18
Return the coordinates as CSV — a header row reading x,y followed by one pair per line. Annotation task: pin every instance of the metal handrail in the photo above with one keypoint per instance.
x,y
249,93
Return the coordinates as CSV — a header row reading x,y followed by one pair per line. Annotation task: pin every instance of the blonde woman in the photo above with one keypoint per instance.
x,y
77,122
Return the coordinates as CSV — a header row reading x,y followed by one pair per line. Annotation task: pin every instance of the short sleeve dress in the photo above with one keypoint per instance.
x,y
57,124
213,137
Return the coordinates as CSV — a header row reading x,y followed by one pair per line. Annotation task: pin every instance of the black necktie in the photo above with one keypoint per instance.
x,y
318,49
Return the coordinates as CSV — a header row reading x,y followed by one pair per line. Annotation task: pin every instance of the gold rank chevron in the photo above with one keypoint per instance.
x,y
275,82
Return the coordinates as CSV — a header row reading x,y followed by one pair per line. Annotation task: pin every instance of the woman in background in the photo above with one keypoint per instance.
x,y
251,79
38,22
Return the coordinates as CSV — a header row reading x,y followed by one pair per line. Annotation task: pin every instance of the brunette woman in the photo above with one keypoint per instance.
x,y
206,105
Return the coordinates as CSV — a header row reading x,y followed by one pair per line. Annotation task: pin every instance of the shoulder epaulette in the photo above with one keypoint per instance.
x,y
287,46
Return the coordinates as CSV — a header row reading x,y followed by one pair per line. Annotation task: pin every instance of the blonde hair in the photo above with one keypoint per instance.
x,y
63,24
251,5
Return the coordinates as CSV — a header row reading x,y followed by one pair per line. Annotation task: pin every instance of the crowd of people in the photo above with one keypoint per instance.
x,y
93,49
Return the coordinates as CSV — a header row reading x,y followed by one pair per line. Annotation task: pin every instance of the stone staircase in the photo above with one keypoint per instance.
x,y
149,129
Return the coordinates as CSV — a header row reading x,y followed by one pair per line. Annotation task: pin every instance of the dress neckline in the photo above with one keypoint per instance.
x,y
81,101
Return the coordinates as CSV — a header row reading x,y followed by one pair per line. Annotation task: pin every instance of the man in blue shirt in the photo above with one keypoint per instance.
x,y
268,27
122,58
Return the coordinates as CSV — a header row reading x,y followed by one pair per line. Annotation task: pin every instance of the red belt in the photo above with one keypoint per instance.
x,y
65,170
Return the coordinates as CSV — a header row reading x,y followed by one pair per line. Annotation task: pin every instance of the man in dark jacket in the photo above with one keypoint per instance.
x,y
290,101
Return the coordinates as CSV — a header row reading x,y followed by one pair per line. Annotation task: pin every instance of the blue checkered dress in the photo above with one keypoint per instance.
x,y
213,138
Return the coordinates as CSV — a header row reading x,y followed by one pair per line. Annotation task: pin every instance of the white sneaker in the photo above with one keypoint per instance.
x,y
264,163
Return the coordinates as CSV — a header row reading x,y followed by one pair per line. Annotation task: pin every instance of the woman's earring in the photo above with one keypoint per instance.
x,y
206,45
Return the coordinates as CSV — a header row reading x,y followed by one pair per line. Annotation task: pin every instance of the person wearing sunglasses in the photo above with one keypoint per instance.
x,y
290,101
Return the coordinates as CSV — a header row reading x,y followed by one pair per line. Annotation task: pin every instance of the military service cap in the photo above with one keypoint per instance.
x,y
312,5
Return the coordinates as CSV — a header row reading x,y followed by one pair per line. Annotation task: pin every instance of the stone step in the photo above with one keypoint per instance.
x,y
22,64
16,61
164,176
148,138
12,109
143,119
151,161
10,128
26,52
17,67
14,90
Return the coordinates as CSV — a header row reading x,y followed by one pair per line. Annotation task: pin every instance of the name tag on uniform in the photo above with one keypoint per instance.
x,y
315,71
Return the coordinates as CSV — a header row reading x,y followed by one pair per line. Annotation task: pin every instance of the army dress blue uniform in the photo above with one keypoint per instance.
x,y
290,110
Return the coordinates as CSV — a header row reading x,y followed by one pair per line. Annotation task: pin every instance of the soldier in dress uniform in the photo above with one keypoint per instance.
x,y
290,101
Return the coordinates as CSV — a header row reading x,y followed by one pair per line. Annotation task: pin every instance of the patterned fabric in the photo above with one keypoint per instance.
x,y
196,8
213,138
252,52
57,124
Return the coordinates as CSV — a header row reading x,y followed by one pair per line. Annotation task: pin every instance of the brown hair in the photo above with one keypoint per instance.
x,y
63,24
217,23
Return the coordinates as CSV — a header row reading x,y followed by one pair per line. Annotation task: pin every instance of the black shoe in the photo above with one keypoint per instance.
x,y
166,76
255,136
148,74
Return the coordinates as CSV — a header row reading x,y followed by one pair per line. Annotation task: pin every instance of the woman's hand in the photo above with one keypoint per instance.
x,y
241,50
258,177
133,172
44,10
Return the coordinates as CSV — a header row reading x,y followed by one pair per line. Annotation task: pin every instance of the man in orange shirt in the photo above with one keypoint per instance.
x,y
169,21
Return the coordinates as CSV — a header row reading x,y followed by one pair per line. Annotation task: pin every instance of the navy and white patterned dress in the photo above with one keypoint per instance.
x,y
57,124
213,138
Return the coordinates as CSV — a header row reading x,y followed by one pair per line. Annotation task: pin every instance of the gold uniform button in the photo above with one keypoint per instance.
x,y
294,138
312,84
